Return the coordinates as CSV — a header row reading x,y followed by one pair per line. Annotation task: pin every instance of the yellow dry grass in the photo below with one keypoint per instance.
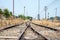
x,y
48,23
10,22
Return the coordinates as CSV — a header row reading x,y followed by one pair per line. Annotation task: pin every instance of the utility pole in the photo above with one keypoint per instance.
x,y
13,7
38,9
45,11
48,15
24,10
56,12
27,13
38,16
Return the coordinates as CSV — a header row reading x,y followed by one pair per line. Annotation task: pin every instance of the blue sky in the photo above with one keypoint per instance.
x,y
32,7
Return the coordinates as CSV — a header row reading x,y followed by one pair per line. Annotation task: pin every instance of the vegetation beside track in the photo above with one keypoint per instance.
x,y
48,23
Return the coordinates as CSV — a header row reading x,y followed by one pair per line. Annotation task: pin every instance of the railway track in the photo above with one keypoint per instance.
x,y
31,34
9,26
12,33
29,31
50,34
46,27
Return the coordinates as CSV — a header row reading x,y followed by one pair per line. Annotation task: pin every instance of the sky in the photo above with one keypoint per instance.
x,y
32,7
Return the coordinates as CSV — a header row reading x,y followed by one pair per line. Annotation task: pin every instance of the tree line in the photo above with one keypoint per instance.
x,y
53,18
6,13
24,17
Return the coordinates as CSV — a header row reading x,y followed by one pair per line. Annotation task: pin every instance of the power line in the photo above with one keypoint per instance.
x,y
52,3
49,4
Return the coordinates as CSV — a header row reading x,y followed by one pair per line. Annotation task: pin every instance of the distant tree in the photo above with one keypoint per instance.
x,y
28,17
51,18
58,18
10,13
6,13
24,17
1,12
